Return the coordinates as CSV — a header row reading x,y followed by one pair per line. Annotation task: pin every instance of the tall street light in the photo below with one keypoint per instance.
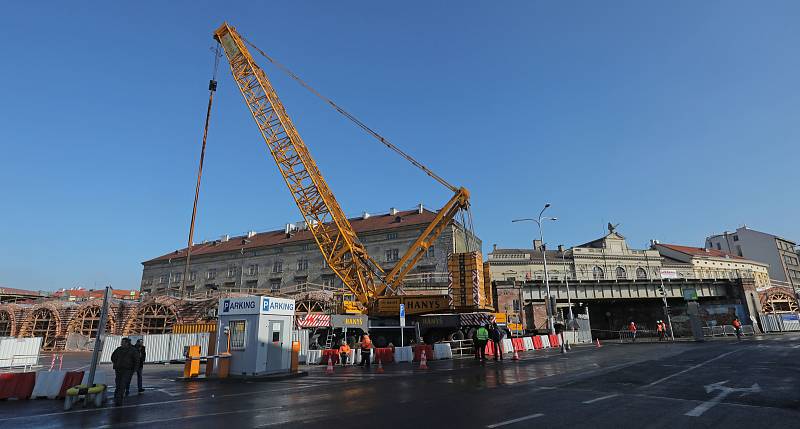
x,y
550,321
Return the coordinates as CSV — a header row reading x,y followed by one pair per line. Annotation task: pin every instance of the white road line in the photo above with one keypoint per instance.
x,y
149,404
592,401
520,419
660,380
149,422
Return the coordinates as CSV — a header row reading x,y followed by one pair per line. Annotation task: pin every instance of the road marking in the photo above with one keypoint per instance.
x,y
796,347
723,392
222,413
148,404
168,393
660,380
592,401
520,419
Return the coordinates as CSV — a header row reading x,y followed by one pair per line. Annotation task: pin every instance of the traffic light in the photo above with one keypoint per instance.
x,y
661,290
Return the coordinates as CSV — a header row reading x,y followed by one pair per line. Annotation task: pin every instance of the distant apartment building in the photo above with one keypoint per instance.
x,y
779,253
278,261
79,294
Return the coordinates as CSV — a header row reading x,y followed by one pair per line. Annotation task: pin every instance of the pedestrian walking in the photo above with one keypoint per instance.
x,y
366,345
344,352
139,346
480,340
737,325
125,359
497,338
632,330
660,328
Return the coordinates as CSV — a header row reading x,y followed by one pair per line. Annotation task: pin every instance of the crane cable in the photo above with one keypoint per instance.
x,y
212,88
352,118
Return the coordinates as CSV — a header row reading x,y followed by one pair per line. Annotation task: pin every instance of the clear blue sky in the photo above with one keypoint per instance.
x,y
675,119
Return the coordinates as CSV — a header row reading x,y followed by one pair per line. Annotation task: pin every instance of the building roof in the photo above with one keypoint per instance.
x,y
598,243
534,254
747,228
279,237
701,251
22,292
81,293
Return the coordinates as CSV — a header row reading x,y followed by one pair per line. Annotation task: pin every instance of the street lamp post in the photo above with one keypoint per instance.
x,y
550,322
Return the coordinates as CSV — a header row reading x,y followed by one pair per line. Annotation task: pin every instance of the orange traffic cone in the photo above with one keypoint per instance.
x,y
598,343
516,354
423,361
380,366
329,369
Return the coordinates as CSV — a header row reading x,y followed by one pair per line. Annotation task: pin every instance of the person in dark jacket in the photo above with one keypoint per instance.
x,y
126,360
497,338
139,346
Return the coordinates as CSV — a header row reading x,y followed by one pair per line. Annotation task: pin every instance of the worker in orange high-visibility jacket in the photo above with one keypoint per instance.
x,y
344,352
737,325
632,330
366,345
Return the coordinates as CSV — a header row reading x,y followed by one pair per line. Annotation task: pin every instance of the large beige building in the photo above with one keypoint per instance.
x,y
606,258
715,264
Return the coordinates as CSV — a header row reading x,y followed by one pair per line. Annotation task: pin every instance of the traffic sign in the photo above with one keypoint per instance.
x,y
402,315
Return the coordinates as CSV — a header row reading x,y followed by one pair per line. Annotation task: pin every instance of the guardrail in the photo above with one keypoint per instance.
x,y
727,331
461,348
20,363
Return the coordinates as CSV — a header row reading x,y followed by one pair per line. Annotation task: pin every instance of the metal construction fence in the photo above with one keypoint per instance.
x,y
19,352
160,347
783,322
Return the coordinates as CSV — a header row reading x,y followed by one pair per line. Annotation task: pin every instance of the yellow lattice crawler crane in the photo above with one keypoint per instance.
x,y
333,233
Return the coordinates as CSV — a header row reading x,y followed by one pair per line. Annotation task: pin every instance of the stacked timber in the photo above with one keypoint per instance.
x,y
487,284
466,282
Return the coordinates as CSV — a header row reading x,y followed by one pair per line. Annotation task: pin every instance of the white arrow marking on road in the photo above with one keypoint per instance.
x,y
724,391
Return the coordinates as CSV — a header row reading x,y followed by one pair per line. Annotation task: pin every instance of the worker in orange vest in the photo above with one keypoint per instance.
x,y
632,330
366,345
737,325
344,352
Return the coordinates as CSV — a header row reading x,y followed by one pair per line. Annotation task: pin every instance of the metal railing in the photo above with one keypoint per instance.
x,y
20,363
461,347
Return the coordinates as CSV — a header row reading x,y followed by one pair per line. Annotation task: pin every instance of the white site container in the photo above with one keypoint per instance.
x,y
260,332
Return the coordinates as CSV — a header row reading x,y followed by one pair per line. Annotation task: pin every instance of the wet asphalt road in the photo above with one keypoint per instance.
x,y
755,383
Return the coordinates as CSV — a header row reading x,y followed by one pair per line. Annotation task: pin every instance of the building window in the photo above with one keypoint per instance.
x,y
739,250
277,267
515,304
238,333
251,286
302,264
641,274
719,247
279,250
231,271
275,285
192,276
325,263
621,274
162,279
177,277
391,236
735,238
392,255
148,281
299,280
307,246
252,270
328,281
431,252
229,286
598,273
211,274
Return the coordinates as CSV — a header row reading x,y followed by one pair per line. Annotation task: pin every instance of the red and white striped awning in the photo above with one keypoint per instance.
x,y
313,321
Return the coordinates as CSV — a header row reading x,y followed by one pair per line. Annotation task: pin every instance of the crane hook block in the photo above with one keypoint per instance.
x,y
212,85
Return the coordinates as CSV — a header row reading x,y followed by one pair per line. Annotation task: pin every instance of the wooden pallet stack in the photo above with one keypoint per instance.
x,y
466,287
487,285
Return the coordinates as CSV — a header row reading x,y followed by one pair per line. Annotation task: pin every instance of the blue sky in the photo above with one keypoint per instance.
x,y
675,119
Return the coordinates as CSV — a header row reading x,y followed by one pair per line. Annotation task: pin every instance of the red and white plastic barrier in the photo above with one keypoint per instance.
x,y
17,385
528,343
48,384
545,341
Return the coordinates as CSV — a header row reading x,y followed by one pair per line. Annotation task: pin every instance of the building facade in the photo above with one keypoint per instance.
x,y
607,258
280,262
779,253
